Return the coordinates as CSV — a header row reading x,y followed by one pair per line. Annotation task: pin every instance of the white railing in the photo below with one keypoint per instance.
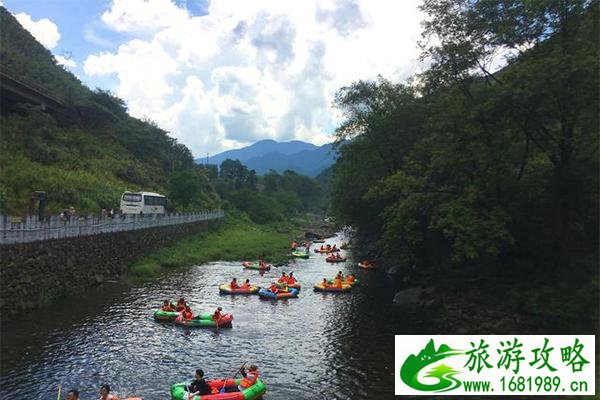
x,y
30,229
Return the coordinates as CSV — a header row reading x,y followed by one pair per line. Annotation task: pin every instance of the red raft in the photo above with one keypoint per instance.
x,y
253,392
334,259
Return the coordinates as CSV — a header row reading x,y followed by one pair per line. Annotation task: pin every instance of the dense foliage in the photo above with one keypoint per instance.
x,y
270,198
89,152
466,165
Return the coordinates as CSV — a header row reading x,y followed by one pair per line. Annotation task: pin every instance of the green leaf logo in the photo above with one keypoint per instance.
x,y
414,364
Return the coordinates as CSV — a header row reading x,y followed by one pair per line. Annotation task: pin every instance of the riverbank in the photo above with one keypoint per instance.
x,y
238,238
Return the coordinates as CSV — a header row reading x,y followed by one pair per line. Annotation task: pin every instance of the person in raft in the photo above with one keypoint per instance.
x,y
234,284
337,281
291,280
324,283
274,288
167,306
246,285
350,278
334,248
339,276
337,256
105,393
328,246
283,278
198,385
187,313
249,378
262,263
181,305
294,245
73,394
217,314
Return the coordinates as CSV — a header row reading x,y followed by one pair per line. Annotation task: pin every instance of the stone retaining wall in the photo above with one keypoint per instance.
x,y
32,274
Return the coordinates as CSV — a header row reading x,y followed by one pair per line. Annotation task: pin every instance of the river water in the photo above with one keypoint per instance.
x,y
318,346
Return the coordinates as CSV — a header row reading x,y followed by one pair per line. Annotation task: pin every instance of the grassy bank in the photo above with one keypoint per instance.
x,y
237,239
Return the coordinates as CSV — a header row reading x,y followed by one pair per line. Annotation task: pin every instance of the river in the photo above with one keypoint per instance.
x,y
318,346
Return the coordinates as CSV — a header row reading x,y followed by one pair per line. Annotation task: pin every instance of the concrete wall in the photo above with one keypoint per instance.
x,y
32,274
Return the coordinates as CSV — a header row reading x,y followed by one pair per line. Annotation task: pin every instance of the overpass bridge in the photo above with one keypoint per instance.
x,y
13,90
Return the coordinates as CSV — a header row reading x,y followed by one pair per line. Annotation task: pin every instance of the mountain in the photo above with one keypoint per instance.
x,y
303,158
259,149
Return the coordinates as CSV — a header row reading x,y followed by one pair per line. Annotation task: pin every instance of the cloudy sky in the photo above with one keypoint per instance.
x,y
223,74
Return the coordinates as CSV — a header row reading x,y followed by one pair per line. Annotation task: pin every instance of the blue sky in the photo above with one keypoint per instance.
x,y
222,74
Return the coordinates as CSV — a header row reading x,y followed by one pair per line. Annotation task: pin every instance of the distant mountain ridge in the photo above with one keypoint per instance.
x,y
262,156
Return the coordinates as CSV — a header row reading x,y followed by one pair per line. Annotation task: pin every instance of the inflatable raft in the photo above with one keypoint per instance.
x,y
201,321
254,392
319,241
161,315
323,251
356,282
226,289
296,286
253,265
299,254
345,288
332,259
267,294
366,265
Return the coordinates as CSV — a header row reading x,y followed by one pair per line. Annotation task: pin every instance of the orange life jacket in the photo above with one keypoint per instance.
x,y
291,280
283,279
216,316
350,279
168,308
245,285
187,315
337,282
274,288
249,379
234,285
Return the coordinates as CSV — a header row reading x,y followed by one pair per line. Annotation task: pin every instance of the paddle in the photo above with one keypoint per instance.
x,y
59,389
236,372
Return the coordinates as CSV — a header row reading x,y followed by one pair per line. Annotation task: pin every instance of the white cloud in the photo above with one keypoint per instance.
x,y
143,15
43,30
253,69
67,62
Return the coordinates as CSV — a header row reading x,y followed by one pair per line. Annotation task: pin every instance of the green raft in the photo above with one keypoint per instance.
x,y
205,321
299,254
254,392
161,315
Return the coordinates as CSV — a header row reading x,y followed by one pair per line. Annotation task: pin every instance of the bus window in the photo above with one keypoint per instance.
x,y
133,197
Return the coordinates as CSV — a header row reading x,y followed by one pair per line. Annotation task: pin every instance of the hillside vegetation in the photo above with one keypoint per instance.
x,y
85,155
472,176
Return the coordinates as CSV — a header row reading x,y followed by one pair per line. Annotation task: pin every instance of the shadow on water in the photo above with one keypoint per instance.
x,y
319,346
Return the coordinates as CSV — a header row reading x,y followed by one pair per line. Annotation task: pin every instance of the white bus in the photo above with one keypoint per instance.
x,y
143,203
